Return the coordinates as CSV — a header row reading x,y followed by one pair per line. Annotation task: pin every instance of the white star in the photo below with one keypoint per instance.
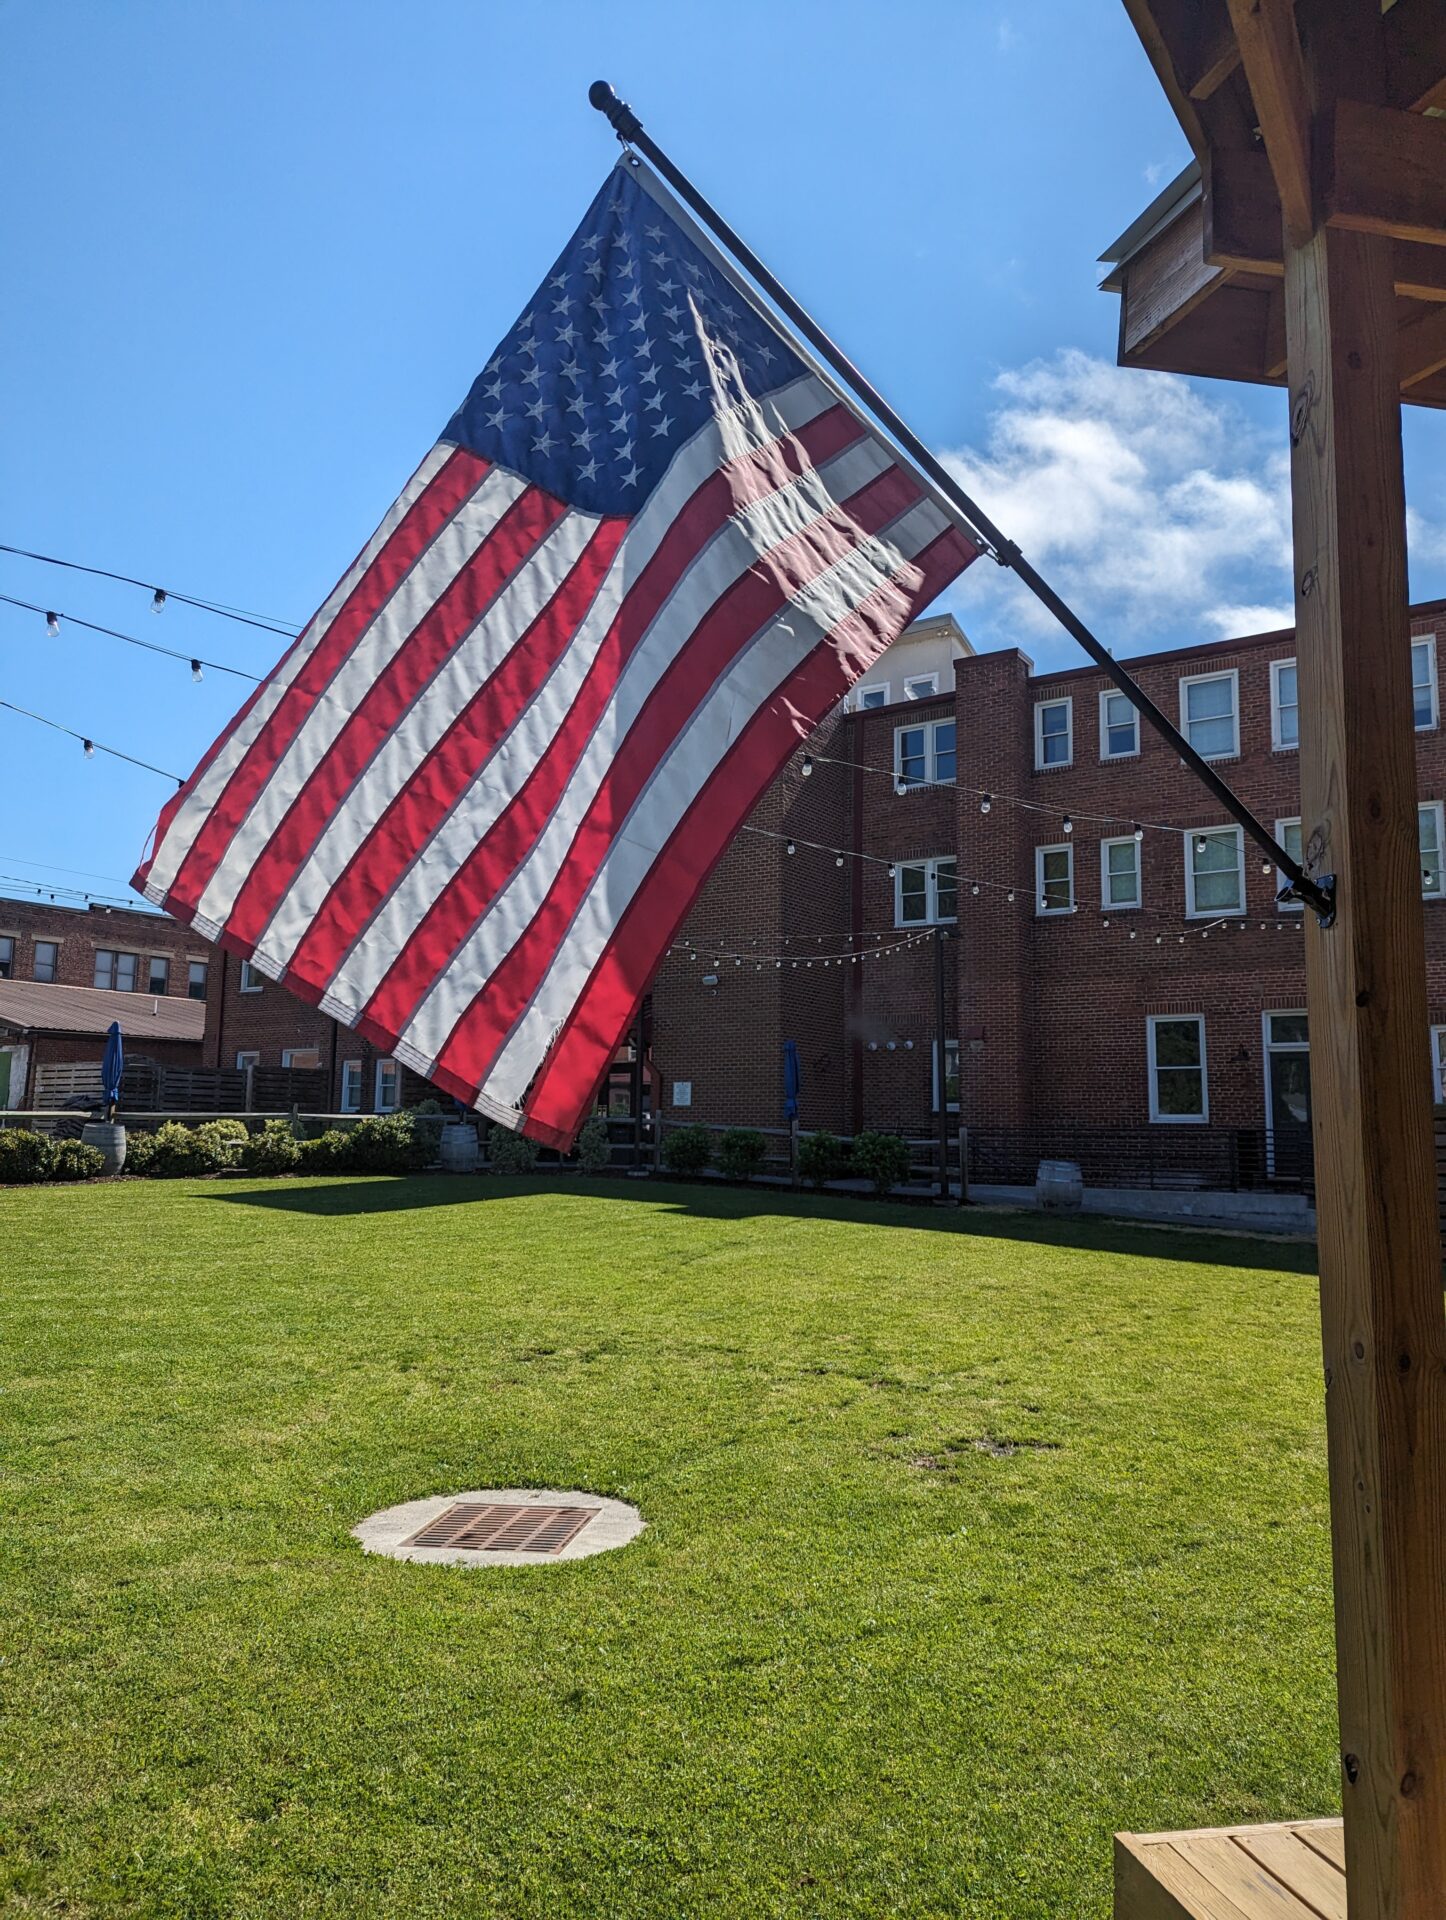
x,y
662,427
732,312
532,376
615,206
622,423
593,240
667,286
686,364
653,233
639,324
694,390
692,267
610,371
658,259
681,339
674,314
583,439
577,405
650,375
625,270
537,409
632,477
765,352
603,337
544,445
526,321
615,398
598,305
558,280
653,401
493,390
567,334
572,371
496,419
595,268
633,297
564,305
589,472
625,452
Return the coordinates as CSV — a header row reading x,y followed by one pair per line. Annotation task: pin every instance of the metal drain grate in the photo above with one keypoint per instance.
x,y
504,1529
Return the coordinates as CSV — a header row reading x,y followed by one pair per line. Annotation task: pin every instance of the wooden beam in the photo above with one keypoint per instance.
x,y
1387,173
1265,33
1166,278
1216,58
1383,1328
1422,347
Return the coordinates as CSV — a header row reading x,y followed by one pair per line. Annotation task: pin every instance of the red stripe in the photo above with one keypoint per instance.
x,y
451,617
454,483
453,913
749,605
563,1091
414,814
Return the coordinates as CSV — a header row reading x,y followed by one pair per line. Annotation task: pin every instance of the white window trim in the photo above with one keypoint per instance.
x,y
248,1057
1427,640
1192,912
288,1057
377,1071
912,680
1277,744
354,1105
931,865
1201,1119
953,1105
1438,892
1066,701
1283,879
1438,1064
870,686
249,980
1043,912
929,729
1266,1049
1120,840
1232,674
1131,753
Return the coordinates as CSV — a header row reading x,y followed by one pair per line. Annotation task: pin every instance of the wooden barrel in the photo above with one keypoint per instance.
x,y
110,1138
459,1147
1059,1186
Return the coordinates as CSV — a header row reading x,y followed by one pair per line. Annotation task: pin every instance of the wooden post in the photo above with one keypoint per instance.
x,y
963,1166
1383,1329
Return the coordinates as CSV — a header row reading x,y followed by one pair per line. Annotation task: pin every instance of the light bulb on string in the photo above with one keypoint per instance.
x,y
1068,824
975,889
52,626
901,787
1139,833
838,860
158,600
807,767
790,848
196,670
986,801
1011,896
89,746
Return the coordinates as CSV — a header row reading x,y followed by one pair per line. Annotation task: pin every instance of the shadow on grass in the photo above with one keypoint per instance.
x,y
344,1198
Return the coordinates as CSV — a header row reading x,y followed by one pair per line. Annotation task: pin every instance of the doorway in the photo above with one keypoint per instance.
x,y
1287,1095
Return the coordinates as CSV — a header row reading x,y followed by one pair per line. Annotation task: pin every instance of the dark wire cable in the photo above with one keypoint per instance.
x,y
219,607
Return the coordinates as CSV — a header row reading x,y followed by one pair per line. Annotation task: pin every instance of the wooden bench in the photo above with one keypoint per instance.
x,y
1295,1870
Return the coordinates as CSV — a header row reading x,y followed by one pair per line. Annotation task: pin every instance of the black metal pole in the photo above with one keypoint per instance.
x,y
941,1079
629,129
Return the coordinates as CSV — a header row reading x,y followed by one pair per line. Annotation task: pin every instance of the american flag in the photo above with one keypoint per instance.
x,y
468,810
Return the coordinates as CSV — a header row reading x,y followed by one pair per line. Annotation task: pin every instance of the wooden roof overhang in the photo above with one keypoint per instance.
x,y
1200,274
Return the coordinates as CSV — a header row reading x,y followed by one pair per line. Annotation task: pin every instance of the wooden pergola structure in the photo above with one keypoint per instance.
x,y
1306,247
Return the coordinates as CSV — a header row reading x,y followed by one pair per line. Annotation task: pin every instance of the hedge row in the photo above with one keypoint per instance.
x,y
882,1158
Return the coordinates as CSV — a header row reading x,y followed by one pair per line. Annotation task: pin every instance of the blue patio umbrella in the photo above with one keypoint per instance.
x,y
112,1066
791,1080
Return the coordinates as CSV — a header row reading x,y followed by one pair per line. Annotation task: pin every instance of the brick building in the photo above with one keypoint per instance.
x,y
1151,983
67,972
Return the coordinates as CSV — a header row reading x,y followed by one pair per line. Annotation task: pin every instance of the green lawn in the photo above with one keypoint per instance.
x,y
858,1665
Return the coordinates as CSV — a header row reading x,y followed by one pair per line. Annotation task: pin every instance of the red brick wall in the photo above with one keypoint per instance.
x,y
79,931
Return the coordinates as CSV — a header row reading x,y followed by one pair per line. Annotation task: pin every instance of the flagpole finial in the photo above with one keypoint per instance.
x,y
625,123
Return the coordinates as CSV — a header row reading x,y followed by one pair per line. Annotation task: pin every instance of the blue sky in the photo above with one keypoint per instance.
x,y
262,248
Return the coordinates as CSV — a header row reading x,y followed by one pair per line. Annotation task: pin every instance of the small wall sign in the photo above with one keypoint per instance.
x,y
682,1093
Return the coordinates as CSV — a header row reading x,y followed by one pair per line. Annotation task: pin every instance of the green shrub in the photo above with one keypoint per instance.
x,y
328,1152
24,1156
388,1143
882,1158
178,1151
509,1152
74,1160
741,1152
822,1156
594,1153
224,1140
428,1119
140,1153
273,1150
687,1150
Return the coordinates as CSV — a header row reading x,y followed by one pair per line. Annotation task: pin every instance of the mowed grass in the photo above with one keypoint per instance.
x,y
971,1539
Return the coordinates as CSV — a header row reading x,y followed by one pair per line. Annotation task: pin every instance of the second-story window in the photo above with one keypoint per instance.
x,y
7,956
1210,713
924,756
1053,733
1287,832
1120,872
920,685
1214,872
116,970
1425,708
1119,727
1054,879
1284,705
876,694
251,980
47,959
925,892
1433,886
158,974
196,972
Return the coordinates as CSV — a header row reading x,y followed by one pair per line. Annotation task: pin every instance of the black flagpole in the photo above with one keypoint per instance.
x,y
1319,895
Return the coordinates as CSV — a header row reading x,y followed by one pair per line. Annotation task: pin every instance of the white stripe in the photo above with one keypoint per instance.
x,y
814,612
504,773
758,532
483,651
376,648
194,810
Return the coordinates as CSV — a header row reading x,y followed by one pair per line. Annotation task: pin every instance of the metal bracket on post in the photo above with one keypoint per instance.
x,y
1318,893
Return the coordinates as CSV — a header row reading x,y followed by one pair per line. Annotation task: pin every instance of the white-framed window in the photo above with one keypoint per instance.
x,y
387,1087
1053,733
158,974
1214,872
197,972
1287,832
951,1076
1432,838
248,1057
875,694
1284,705
351,1086
47,959
1425,701
1179,1093
1120,872
919,686
1054,879
1438,1065
925,892
7,956
1210,713
117,971
1119,726
924,755
251,980
301,1057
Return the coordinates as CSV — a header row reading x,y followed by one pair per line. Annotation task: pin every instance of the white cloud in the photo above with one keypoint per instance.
x,y
1161,514
1232,623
